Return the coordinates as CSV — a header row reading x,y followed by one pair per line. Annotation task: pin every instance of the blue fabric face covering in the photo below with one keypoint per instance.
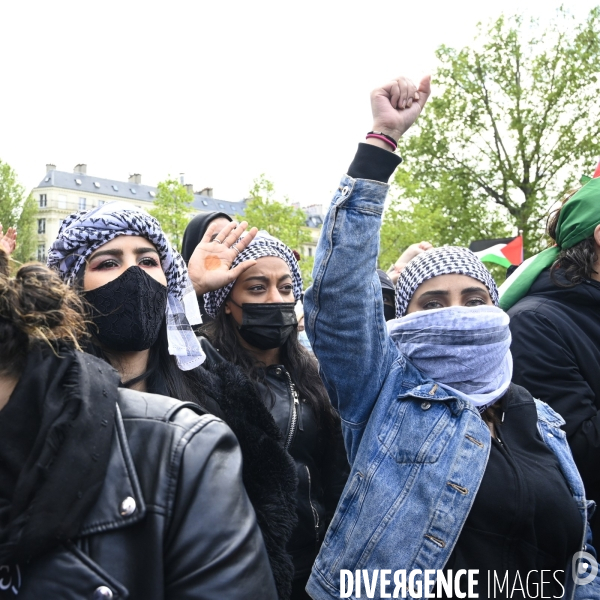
x,y
466,350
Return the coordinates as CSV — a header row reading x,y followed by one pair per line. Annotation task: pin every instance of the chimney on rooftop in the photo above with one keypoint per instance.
x,y
50,167
80,168
135,178
207,191
189,188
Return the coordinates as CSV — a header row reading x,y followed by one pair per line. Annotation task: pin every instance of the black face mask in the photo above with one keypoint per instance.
x,y
128,311
267,326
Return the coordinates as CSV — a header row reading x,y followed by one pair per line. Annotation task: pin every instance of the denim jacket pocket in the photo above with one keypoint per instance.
x,y
425,428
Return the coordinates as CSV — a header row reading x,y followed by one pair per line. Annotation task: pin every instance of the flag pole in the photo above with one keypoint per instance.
x,y
522,246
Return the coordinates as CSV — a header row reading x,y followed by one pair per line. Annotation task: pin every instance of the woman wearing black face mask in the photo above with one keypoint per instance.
x,y
144,307
142,302
255,328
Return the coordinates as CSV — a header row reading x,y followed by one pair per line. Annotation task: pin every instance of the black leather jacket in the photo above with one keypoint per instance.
x,y
172,521
318,454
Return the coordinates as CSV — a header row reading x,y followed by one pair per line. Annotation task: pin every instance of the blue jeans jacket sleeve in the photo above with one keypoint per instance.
x,y
344,306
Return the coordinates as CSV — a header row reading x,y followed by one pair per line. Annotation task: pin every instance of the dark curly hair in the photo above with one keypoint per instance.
x,y
36,308
578,262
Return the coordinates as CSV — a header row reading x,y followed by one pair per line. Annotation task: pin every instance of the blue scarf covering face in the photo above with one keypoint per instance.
x,y
466,350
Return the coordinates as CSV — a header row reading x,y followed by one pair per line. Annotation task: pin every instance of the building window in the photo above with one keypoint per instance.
x,y
82,203
101,202
41,253
309,251
43,201
62,201
41,225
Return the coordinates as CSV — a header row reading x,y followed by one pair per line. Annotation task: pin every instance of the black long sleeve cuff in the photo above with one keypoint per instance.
x,y
371,162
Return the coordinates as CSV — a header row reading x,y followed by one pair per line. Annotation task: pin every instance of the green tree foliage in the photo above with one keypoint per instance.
x,y
281,220
513,123
172,208
18,210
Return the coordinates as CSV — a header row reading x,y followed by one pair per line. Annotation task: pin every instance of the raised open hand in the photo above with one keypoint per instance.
x,y
397,104
8,240
209,266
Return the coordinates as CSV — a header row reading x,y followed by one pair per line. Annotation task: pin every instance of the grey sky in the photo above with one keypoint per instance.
x,y
221,91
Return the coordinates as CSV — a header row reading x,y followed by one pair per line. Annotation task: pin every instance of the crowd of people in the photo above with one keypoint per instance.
x,y
197,425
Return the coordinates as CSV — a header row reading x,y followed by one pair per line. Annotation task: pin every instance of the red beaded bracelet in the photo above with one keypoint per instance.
x,y
384,138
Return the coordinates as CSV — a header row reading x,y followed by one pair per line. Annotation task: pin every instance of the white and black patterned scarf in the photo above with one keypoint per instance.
x,y
83,232
264,244
445,260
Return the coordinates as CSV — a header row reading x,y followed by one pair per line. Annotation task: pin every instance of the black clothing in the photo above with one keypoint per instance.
x,y
314,469
371,162
192,236
171,519
556,352
524,517
268,470
55,471
19,426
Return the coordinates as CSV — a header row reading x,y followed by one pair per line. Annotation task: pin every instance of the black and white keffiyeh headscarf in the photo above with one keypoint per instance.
x,y
264,244
82,233
445,260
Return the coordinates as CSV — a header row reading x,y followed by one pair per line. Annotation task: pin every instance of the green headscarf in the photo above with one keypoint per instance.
x,y
577,221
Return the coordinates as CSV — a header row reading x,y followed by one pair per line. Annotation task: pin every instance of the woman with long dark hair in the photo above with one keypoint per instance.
x,y
143,310
553,300
107,492
254,334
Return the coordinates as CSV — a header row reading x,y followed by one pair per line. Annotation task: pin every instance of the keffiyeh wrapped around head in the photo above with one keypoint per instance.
x,y
445,260
82,233
264,244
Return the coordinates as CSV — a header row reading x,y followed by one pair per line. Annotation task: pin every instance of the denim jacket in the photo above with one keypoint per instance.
x,y
418,455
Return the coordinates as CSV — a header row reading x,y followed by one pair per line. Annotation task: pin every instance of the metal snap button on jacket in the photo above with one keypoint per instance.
x,y
426,405
278,371
128,507
102,593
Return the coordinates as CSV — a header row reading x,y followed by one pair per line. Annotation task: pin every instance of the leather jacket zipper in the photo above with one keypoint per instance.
x,y
314,510
292,430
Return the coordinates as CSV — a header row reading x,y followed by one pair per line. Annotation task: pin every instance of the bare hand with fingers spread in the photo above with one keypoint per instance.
x,y
210,265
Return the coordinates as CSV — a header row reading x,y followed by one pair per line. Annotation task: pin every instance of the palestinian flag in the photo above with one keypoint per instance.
x,y
503,251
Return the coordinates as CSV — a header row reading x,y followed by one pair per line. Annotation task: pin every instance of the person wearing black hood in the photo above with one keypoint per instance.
x,y
192,236
389,295
553,301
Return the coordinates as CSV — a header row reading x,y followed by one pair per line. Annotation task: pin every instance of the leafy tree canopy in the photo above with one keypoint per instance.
x,y
19,211
281,220
172,207
512,124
